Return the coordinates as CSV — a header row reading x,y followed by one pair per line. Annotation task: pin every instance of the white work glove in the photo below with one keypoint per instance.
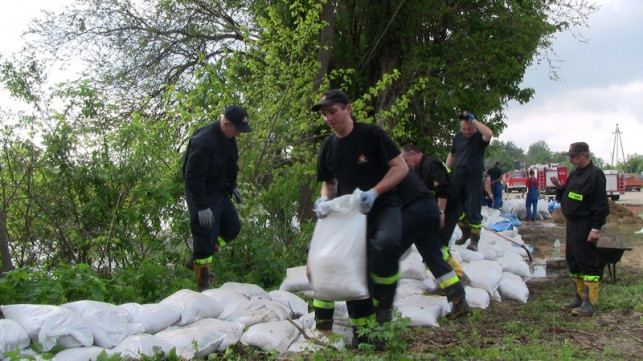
x,y
366,201
206,218
319,207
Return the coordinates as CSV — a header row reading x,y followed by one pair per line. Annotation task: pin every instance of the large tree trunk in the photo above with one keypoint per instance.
x,y
324,55
5,256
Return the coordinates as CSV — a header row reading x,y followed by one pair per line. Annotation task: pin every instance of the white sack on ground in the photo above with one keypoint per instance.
x,y
247,289
225,299
513,287
231,330
51,325
514,263
135,346
412,265
296,305
192,341
337,255
421,310
296,280
12,336
477,297
79,354
193,306
110,324
280,310
248,312
276,335
303,344
485,275
153,316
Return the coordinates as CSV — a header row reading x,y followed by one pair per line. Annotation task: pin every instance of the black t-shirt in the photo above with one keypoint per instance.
x,y
437,178
359,160
469,152
494,173
411,188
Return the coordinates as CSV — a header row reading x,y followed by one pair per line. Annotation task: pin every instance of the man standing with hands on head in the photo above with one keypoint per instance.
x,y
210,173
360,155
584,203
467,160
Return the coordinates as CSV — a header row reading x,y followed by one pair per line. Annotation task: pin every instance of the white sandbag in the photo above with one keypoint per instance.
x,y
543,210
135,346
421,310
421,284
514,263
193,306
484,274
295,280
247,289
12,336
306,321
407,290
280,310
51,325
307,293
412,266
489,253
305,343
271,336
110,324
79,354
496,296
340,315
296,305
337,255
192,341
231,330
153,316
469,256
513,287
225,298
477,297
430,281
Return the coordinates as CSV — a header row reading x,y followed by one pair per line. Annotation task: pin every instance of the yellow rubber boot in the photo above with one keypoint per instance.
x,y
580,295
202,272
588,307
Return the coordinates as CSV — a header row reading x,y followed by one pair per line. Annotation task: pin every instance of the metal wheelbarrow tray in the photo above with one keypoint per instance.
x,y
610,250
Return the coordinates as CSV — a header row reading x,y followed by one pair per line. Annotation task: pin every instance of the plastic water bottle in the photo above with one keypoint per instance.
x,y
556,249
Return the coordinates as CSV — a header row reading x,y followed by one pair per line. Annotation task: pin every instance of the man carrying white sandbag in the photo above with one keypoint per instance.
x,y
360,155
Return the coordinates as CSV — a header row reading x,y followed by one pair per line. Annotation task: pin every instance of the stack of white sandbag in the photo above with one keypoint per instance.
x,y
195,324
518,207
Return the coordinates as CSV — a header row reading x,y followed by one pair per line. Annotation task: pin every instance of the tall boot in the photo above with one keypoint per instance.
x,y
384,302
457,268
324,312
580,294
588,307
466,233
202,272
475,238
457,296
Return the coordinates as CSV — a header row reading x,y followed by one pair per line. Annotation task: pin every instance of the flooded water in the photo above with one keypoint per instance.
x,y
543,268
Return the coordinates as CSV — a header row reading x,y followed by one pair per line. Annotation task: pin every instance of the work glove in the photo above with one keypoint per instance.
x,y
366,201
470,117
237,195
206,218
319,209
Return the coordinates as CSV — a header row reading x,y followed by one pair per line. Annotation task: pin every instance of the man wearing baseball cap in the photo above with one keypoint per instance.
x,y
584,203
361,155
210,174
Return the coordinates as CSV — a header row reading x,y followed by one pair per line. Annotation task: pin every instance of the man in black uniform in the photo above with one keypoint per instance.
x,y
360,155
210,174
467,155
495,174
584,203
436,176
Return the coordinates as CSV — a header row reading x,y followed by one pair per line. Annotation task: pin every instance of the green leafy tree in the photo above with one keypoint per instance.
x,y
507,153
538,153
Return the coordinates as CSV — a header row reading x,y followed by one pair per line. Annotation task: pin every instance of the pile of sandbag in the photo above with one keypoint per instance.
x,y
518,207
197,324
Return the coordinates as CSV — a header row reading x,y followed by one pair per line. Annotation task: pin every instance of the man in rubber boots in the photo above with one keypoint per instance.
x,y
360,155
467,159
437,177
210,174
495,175
584,203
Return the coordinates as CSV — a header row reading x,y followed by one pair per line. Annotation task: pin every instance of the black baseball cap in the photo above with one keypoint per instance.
x,y
577,148
331,97
237,116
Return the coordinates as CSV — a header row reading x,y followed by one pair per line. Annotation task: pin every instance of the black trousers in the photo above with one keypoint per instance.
x,y
582,256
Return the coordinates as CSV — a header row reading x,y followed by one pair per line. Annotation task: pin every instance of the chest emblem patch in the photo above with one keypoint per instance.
x,y
362,159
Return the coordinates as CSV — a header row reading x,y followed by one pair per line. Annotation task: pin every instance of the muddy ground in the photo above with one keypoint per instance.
x,y
615,331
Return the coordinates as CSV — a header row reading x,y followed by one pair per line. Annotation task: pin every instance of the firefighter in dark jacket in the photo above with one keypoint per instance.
x,y
210,174
584,204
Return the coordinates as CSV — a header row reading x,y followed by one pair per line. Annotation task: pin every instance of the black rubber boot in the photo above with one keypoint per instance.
x,y
384,307
588,307
473,246
466,233
579,286
457,296
202,272
324,318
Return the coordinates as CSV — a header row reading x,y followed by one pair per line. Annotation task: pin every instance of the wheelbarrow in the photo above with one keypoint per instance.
x,y
610,250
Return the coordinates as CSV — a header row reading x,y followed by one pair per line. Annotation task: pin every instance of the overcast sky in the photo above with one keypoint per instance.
x,y
601,81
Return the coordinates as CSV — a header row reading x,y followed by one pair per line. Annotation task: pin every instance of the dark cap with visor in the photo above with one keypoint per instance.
x,y
331,97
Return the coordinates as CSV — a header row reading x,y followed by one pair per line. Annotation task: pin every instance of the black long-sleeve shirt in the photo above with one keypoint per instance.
x,y
584,196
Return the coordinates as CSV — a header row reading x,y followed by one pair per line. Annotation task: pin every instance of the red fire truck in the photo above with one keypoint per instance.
x,y
544,172
514,181
633,182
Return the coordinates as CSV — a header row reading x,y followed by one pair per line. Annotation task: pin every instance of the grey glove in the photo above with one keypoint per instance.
x,y
237,195
367,200
206,218
320,212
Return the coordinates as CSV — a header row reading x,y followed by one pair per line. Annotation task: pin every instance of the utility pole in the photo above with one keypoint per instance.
x,y
617,143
